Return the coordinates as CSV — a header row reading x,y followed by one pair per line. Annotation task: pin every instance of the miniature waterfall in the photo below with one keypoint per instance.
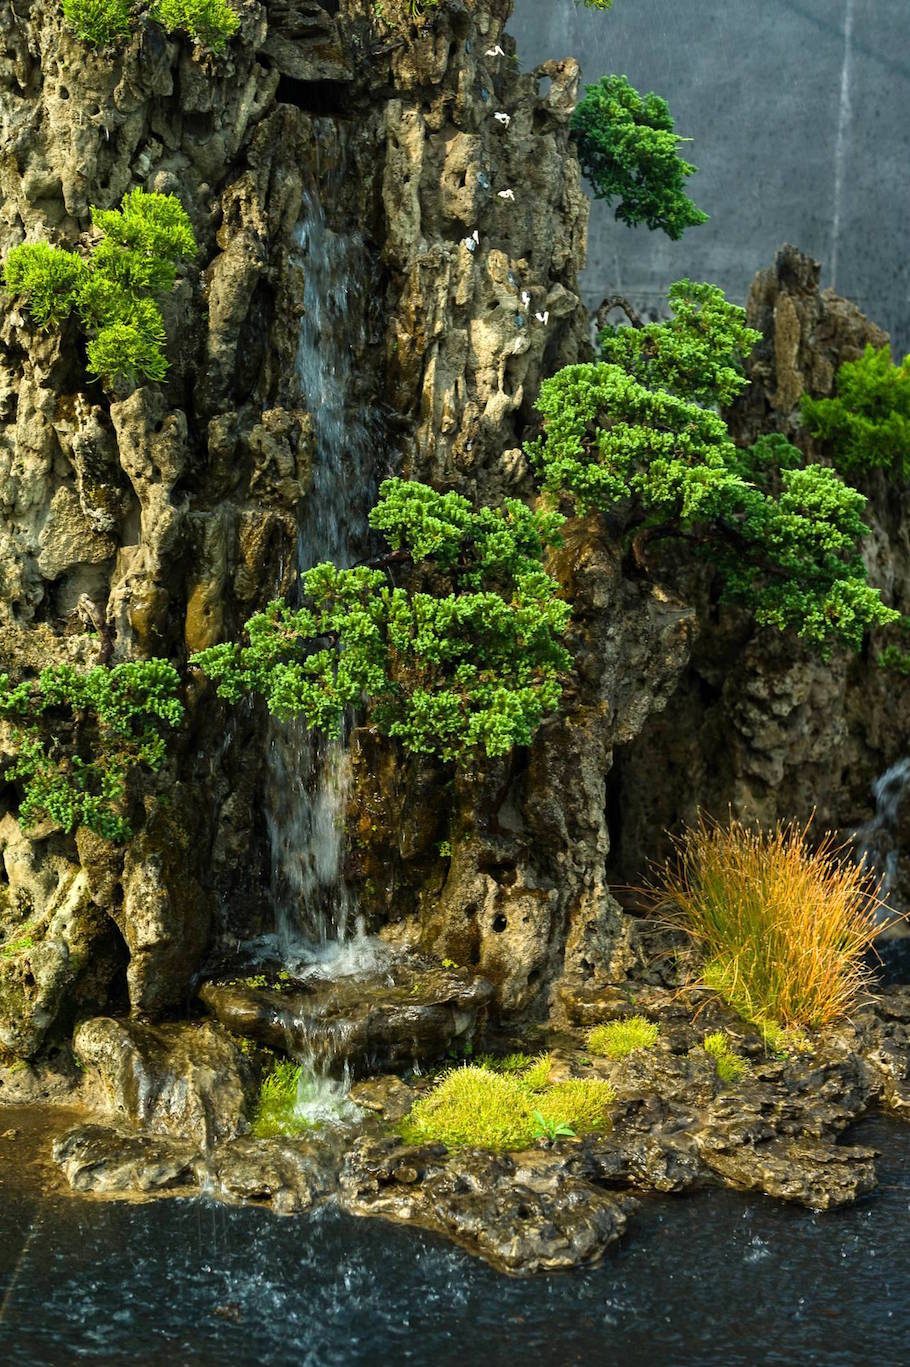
x,y
879,842
309,777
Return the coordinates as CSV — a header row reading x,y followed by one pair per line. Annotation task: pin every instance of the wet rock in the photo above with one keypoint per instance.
x,y
814,1174
188,1080
111,1162
409,1011
291,1174
58,950
523,1213
388,1096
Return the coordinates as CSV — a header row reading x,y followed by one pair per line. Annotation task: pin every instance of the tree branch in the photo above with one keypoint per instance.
x,y
617,301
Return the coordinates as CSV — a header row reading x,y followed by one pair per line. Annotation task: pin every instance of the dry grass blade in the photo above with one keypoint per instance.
x,y
784,927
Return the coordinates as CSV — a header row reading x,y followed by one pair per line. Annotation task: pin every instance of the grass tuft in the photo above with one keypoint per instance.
x,y
505,1063
783,927
730,1065
275,1110
475,1107
619,1038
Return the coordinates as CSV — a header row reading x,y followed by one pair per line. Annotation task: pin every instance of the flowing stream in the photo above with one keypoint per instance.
x,y
316,921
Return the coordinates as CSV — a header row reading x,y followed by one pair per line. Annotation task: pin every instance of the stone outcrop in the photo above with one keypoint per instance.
x,y
154,524
758,724
401,1011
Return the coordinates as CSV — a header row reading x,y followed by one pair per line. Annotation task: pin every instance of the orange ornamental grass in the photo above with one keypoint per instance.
x,y
784,927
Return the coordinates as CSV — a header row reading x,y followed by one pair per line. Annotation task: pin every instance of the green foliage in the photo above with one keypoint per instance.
x,y
209,22
616,1039
629,151
730,1065
463,659
51,279
98,22
621,437
697,354
140,247
103,22
477,1107
867,423
78,735
278,1095
550,1129
505,1063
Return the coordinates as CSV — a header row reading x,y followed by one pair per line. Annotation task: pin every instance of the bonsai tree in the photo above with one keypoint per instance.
x,y
450,642
629,152
630,436
113,290
866,426
77,735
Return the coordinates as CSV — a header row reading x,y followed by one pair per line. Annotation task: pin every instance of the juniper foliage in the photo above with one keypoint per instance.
x,y
77,735
113,290
866,425
462,657
624,437
102,23
629,152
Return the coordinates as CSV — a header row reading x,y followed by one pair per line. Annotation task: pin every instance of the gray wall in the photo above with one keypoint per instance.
x,y
800,114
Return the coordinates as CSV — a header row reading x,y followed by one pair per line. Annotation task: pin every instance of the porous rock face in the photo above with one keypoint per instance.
x,y
153,524
758,724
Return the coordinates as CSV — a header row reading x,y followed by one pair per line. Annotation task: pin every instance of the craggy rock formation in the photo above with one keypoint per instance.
x,y
155,524
759,724
674,1127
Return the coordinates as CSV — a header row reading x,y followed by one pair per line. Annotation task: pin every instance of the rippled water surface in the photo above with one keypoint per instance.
x,y
713,1278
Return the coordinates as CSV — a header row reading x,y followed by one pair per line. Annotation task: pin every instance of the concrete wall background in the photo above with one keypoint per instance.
x,y
800,114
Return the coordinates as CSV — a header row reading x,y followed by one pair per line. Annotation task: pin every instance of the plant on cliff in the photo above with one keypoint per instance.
x,y
629,152
75,736
277,1103
473,1106
98,22
461,658
866,426
105,22
112,290
629,436
783,928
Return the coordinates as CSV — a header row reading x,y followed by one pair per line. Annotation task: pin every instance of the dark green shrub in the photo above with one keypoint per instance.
x,y
622,438
141,245
630,153
462,658
867,424
77,735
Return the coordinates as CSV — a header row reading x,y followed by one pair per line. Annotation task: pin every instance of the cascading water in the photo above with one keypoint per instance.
x,y
309,778
881,842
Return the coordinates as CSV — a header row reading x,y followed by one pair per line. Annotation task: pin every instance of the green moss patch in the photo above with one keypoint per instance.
x,y
730,1065
619,1038
476,1107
